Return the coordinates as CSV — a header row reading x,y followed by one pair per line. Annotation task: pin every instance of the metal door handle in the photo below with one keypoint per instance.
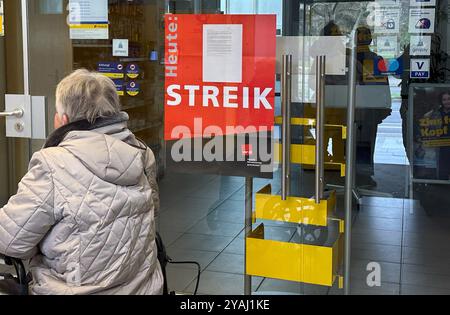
x,y
320,126
17,113
286,94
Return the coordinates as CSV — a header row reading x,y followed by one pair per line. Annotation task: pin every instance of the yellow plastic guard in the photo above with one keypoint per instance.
x,y
303,154
294,209
310,122
293,262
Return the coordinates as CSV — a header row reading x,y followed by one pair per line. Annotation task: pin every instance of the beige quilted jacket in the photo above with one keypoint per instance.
x,y
85,213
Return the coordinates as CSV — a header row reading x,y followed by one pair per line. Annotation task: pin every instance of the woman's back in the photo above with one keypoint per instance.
x,y
103,237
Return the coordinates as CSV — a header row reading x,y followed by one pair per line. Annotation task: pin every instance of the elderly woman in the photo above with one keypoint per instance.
x,y
85,212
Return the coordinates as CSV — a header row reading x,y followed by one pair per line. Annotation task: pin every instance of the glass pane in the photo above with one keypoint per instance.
x,y
402,162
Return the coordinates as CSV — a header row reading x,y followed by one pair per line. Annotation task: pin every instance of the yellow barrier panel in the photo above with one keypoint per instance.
x,y
294,209
312,123
293,262
303,154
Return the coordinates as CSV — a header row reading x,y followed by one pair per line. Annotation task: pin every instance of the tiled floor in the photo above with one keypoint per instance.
x,y
202,219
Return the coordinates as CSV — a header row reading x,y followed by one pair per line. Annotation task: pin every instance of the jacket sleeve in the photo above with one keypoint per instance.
x,y
151,172
29,215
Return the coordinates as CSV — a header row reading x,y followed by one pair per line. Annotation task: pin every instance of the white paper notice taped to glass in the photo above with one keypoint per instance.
x,y
420,46
120,48
421,20
387,20
222,53
387,46
423,3
88,19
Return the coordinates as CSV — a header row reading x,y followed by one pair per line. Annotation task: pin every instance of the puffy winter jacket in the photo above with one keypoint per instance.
x,y
85,213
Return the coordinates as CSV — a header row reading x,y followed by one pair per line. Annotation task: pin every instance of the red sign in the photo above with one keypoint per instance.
x,y
220,74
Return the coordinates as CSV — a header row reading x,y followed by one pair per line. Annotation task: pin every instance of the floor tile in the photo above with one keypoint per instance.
x,y
422,290
384,289
380,237
381,212
229,263
236,247
204,258
426,256
220,283
203,242
231,216
209,226
390,272
366,223
169,236
433,240
377,253
417,276
178,278
274,285
383,202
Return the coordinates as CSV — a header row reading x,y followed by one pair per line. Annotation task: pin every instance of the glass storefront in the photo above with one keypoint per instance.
x,y
400,220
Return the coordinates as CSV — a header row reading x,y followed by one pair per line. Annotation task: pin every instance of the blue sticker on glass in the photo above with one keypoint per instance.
x,y
113,70
133,88
388,66
133,71
119,83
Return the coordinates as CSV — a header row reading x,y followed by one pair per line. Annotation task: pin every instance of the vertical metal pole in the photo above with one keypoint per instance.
x,y
320,126
248,229
350,163
286,95
25,43
26,65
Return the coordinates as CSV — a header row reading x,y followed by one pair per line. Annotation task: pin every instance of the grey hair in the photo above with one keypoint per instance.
x,y
87,95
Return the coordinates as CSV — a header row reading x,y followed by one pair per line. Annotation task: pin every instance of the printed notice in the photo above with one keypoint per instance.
x,y
421,20
120,47
423,3
420,46
88,19
387,20
222,53
2,31
387,46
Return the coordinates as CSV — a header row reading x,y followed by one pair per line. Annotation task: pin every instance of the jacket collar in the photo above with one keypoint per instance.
x,y
57,136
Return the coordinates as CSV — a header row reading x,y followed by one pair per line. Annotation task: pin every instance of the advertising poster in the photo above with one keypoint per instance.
x,y
220,93
2,27
421,21
88,19
420,46
429,135
387,20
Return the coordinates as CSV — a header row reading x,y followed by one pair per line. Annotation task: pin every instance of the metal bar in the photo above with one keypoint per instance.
x,y
26,65
350,163
320,127
18,113
25,43
286,95
248,230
